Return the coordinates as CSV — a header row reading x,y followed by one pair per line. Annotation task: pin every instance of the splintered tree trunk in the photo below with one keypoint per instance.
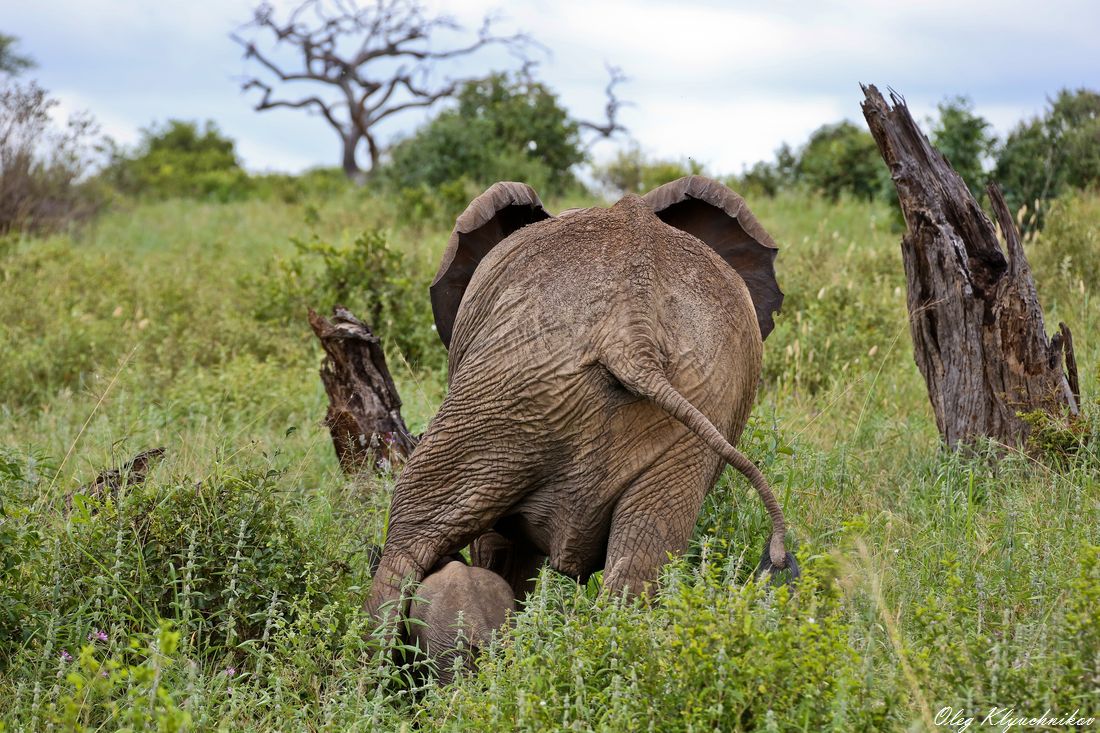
x,y
978,333
364,412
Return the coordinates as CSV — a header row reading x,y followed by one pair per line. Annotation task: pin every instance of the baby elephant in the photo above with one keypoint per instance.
x,y
456,611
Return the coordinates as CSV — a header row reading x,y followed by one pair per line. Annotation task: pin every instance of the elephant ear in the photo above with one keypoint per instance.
x,y
720,218
505,208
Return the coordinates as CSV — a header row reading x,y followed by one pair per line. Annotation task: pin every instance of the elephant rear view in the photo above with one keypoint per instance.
x,y
602,365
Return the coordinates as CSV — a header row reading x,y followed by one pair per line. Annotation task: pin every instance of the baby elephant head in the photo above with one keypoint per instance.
x,y
455,612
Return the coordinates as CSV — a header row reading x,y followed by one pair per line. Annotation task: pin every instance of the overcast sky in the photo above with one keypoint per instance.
x,y
724,83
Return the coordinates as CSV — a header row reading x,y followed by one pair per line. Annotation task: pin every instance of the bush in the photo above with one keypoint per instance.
x,y
1066,254
768,179
842,158
708,655
964,139
378,283
631,171
41,167
20,552
502,129
1044,156
12,62
180,159
126,689
982,663
214,555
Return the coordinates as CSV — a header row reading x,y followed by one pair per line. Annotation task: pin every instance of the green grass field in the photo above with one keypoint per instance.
x,y
224,592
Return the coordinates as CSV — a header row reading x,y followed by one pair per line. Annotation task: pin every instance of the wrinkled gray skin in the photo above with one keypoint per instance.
x,y
455,613
601,365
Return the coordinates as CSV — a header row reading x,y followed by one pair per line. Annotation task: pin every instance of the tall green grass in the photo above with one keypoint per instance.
x,y
224,591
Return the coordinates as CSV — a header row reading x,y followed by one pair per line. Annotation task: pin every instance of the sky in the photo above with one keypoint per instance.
x,y
722,83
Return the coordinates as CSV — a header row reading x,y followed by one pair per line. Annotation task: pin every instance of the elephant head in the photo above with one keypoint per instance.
x,y
455,613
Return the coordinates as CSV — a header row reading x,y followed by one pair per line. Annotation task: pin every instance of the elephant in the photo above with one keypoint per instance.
x,y
455,612
602,365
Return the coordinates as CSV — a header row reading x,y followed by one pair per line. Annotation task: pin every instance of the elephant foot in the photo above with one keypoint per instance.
x,y
387,601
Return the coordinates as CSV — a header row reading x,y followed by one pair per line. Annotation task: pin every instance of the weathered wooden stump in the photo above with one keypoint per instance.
x,y
978,333
131,473
364,412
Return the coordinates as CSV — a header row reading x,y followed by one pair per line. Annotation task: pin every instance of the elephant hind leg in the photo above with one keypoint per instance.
x,y
450,493
654,518
517,561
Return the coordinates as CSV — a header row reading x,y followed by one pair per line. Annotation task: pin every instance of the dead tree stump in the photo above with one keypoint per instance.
x,y
978,333
364,411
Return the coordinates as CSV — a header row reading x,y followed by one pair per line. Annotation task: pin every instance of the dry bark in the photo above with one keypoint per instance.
x,y
131,473
364,412
977,326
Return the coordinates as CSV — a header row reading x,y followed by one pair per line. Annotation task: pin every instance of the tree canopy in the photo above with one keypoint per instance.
x,y
11,61
503,127
1045,155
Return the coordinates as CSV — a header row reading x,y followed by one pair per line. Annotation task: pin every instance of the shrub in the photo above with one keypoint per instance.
x,y
377,282
12,62
180,159
1045,155
502,129
20,552
41,167
980,663
213,555
964,139
1066,254
125,689
842,158
768,179
709,655
631,171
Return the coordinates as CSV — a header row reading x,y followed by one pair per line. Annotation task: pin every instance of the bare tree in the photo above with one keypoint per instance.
x,y
611,109
365,64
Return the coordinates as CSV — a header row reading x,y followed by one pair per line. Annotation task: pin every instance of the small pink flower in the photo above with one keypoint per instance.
x,y
230,671
98,635
66,657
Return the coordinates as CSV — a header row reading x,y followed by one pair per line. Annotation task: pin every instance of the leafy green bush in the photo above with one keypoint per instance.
x,y
708,655
125,689
377,282
313,184
842,158
502,129
209,554
767,178
979,664
181,159
632,171
1044,156
11,61
20,552
965,139
71,312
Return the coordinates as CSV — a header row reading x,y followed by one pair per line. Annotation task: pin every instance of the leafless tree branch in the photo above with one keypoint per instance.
x,y
364,81
611,110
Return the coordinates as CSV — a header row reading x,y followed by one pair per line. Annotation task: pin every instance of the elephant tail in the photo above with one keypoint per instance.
x,y
652,383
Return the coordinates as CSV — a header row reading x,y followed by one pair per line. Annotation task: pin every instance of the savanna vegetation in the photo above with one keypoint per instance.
x,y
224,591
